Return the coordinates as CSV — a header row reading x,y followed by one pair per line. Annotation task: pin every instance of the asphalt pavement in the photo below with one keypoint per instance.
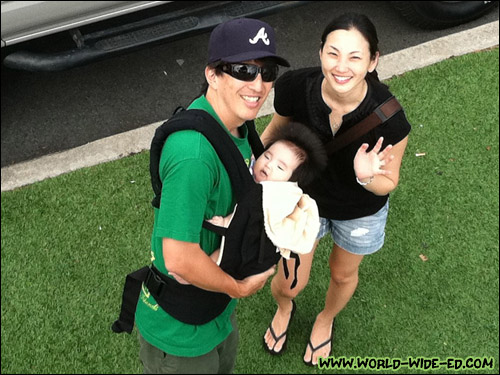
x,y
137,140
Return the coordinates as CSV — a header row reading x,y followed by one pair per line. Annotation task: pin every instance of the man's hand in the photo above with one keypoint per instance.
x,y
252,284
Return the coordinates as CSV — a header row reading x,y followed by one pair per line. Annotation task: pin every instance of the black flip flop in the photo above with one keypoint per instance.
x,y
313,349
278,338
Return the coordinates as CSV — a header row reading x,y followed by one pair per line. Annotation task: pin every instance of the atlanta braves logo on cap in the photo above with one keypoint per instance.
x,y
243,39
261,35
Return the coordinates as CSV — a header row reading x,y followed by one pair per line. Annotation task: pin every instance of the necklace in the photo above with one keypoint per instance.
x,y
342,107
334,125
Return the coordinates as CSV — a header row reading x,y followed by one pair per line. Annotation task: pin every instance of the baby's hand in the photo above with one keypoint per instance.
x,y
217,220
304,202
220,221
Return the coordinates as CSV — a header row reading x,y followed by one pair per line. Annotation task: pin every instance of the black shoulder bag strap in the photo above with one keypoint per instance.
x,y
380,115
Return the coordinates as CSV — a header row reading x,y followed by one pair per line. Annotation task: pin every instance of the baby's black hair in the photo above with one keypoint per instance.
x,y
307,146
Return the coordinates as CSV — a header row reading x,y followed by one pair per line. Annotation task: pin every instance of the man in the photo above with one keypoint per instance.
x,y
240,72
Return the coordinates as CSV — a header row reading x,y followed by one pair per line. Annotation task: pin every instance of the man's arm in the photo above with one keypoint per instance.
x,y
190,262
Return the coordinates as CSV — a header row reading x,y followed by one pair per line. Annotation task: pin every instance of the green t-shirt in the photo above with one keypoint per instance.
x,y
196,187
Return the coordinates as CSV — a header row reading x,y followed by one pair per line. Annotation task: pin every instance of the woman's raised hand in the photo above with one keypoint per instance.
x,y
369,164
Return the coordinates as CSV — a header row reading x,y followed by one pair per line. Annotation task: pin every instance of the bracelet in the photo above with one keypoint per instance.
x,y
364,183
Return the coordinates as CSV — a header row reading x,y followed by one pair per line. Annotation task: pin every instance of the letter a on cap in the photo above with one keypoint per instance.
x,y
260,35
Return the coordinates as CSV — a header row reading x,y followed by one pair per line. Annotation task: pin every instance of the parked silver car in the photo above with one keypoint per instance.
x,y
94,30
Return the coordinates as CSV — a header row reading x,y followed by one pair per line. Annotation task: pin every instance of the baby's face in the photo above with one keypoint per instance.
x,y
277,163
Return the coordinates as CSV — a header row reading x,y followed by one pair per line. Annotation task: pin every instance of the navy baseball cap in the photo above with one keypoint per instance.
x,y
243,39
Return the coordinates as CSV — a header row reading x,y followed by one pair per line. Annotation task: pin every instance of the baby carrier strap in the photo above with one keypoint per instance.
x,y
203,122
167,293
130,296
221,231
286,272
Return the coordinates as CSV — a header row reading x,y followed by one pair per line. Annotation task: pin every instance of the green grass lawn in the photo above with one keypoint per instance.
x,y
68,242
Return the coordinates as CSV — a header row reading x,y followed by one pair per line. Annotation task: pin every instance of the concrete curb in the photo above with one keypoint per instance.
x,y
134,141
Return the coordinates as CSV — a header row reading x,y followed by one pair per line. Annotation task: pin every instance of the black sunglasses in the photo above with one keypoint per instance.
x,y
248,72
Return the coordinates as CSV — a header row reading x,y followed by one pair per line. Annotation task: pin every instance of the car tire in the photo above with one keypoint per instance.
x,y
442,14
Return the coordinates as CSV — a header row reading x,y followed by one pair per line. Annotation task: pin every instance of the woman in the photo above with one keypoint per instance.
x,y
353,192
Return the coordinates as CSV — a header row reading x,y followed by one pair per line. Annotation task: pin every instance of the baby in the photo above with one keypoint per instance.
x,y
293,153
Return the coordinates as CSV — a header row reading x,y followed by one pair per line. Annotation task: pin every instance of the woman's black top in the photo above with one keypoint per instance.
x,y
338,195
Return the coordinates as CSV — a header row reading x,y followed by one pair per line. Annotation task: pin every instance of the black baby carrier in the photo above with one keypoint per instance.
x,y
247,249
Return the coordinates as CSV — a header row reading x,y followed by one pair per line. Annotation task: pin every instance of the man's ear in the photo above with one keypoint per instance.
x,y
211,77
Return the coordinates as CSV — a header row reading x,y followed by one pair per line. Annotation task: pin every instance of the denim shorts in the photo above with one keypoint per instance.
x,y
361,236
